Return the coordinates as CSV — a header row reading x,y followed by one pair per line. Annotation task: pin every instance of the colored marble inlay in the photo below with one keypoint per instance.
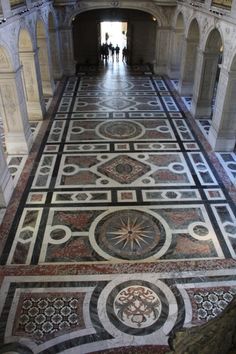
x,y
209,303
125,230
124,169
45,316
130,235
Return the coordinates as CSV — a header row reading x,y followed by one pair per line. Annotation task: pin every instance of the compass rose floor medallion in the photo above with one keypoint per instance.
x,y
130,234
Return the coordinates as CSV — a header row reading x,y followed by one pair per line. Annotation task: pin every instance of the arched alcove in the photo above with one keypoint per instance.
x,y
180,21
5,61
25,42
214,42
209,73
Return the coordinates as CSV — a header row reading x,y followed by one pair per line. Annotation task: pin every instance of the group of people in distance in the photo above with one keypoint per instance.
x,y
108,49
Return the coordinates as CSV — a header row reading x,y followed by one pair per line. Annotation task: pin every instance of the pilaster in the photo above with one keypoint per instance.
x,y
55,54
34,97
222,134
187,70
14,112
68,62
204,82
6,182
176,53
45,67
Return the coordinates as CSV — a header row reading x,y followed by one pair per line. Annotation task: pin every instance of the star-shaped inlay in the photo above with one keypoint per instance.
x,y
130,232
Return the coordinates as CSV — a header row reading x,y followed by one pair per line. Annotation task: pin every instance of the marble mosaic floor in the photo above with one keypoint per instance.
x,y
125,230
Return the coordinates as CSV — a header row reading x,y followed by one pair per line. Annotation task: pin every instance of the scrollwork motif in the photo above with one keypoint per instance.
x,y
138,306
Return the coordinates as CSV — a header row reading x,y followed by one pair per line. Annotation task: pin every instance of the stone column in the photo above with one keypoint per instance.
x,y
55,54
162,50
14,113
222,134
176,53
45,67
33,91
206,67
6,182
68,62
187,70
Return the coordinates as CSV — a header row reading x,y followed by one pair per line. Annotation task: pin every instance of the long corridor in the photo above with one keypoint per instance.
x,y
124,230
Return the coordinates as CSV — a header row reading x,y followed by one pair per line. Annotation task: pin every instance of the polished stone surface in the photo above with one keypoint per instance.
x,y
124,231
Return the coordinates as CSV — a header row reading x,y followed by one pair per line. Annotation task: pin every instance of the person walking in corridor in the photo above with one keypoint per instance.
x,y
112,52
117,50
124,54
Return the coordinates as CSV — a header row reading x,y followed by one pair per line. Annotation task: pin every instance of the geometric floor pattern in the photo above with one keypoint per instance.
x,y
125,230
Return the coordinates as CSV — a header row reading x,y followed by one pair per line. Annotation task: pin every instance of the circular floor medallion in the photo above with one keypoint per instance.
x,y
120,130
137,307
130,234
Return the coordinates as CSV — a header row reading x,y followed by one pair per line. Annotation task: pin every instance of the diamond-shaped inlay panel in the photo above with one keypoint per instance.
x,y
124,169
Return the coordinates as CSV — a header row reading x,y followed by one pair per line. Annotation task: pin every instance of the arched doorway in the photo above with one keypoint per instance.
x,y
209,62
31,79
177,46
141,35
188,67
44,60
